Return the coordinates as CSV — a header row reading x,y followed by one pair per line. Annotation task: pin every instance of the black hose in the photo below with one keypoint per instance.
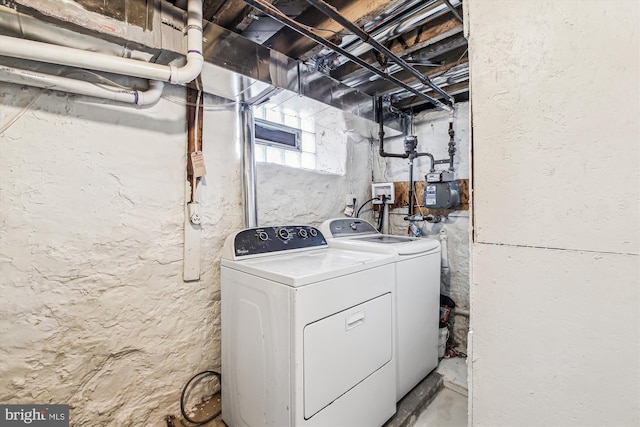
x,y
184,392
381,216
363,205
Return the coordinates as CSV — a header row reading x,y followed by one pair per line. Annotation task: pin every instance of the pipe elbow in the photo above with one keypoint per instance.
x,y
151,95
189,71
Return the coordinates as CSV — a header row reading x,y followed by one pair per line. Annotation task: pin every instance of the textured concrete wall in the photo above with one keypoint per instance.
x,y
94,311
294,196
555,273
93,308
431,128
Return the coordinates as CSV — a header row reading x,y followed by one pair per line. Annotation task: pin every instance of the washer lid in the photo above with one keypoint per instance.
x,y
309,266
387,243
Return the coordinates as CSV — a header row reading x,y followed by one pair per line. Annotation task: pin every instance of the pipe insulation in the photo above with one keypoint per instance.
x,y
80,87
21,25
61,55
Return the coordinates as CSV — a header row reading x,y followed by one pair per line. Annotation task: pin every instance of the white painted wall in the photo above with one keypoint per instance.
x,y
555,273
432,129
94,311
297,196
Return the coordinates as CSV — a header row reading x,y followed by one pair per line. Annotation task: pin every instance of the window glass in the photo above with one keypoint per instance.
x,y
308,161
284,138
275,155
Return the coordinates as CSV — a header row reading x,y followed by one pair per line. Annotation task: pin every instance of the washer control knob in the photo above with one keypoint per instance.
x,y
263,236
302,233
313,232
283,234
353,226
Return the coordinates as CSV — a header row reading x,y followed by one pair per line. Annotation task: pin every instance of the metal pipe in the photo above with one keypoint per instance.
x,y
423,14
410,213
453,10
452,143
380,118
430,156
80,87
268,9
44,52
332,13
245,134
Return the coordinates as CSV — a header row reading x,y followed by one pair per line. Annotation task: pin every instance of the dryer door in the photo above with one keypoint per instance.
x,y
343,349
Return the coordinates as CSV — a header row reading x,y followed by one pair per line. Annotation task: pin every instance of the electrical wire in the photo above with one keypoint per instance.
x,y
364,204
184,392
20,113
415,197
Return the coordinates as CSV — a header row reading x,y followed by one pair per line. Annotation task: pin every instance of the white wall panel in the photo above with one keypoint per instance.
x,y
555,338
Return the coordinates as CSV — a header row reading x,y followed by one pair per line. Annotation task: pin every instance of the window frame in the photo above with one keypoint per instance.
x,y
281,128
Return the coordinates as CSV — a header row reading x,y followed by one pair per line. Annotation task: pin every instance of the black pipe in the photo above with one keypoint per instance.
x,y
283,19
452,144
332,13
381,132
410,213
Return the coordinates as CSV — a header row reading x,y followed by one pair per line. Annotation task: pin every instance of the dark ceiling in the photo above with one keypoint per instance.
x,y
427,34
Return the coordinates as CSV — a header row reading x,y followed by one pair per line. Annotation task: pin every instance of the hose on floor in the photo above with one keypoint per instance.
x,y
200,375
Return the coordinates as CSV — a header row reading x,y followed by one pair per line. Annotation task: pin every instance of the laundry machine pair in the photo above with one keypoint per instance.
x,y
307,331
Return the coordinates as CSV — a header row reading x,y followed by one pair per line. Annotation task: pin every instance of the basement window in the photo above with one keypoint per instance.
x,y
284,139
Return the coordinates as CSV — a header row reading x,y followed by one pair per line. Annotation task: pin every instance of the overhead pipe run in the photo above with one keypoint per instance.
x,y
61,55
270,10
80,87
421,12
410,145
332,13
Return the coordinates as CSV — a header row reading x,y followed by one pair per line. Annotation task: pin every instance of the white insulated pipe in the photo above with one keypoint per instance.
x,y
54,54
444,249
17,24
65,84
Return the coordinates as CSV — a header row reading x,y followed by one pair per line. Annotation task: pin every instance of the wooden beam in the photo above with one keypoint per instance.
x,y
294,45
417,39
210,8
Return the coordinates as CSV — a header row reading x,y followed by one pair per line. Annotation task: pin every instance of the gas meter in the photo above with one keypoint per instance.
x,y
441,191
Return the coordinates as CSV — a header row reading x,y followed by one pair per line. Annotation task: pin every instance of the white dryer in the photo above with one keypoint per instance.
x,y
307,331
416,294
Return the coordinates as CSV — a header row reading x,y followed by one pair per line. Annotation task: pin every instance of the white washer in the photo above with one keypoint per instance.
x,y
307,331
417,293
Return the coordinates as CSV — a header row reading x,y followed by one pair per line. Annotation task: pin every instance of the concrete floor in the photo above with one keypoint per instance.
x,y
449,408
443,393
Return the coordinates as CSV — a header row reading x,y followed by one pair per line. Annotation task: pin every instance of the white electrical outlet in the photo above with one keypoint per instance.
x,y
383,188
348,199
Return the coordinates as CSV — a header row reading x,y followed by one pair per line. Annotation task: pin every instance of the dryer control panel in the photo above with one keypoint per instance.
x,y
262,240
